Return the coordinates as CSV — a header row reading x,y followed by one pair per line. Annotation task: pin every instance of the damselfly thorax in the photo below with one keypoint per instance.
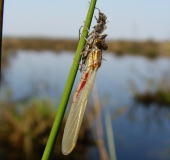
x,y
101,44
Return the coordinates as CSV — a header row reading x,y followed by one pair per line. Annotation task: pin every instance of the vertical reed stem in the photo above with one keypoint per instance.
x,y
110,136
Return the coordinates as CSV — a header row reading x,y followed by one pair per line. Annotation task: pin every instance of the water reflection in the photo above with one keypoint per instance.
x,y
32,74
151,115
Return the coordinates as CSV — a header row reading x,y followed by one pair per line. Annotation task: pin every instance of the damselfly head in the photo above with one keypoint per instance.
x,y
97,41
100,42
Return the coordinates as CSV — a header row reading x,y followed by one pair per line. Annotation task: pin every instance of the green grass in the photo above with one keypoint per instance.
x,y
25,128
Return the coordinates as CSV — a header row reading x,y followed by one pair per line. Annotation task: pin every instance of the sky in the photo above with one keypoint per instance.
x,y
127,19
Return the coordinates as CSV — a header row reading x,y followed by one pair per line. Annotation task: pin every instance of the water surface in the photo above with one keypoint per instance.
x,y
140,132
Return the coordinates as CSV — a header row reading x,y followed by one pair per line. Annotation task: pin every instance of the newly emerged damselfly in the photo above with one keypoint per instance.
x,y
91,61
81,97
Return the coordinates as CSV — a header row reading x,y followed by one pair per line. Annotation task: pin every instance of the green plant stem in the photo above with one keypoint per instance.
x,y
69,84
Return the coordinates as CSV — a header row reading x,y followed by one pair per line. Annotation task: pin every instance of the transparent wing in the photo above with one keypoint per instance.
x,y
76,114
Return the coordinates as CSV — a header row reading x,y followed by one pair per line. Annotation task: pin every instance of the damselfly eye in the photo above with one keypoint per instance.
x,y
97,41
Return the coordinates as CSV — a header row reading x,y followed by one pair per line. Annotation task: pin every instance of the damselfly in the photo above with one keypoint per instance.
x,y
81,96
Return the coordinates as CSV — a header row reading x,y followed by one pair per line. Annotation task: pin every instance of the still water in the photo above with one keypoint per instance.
x,y
140,132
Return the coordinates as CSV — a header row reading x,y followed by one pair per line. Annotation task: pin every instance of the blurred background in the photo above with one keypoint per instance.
x,y
128,113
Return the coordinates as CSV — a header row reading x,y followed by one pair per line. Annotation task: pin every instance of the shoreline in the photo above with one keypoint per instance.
x,y
119,47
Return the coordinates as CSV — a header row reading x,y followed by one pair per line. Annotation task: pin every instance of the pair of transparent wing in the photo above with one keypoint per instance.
x,y
76,114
